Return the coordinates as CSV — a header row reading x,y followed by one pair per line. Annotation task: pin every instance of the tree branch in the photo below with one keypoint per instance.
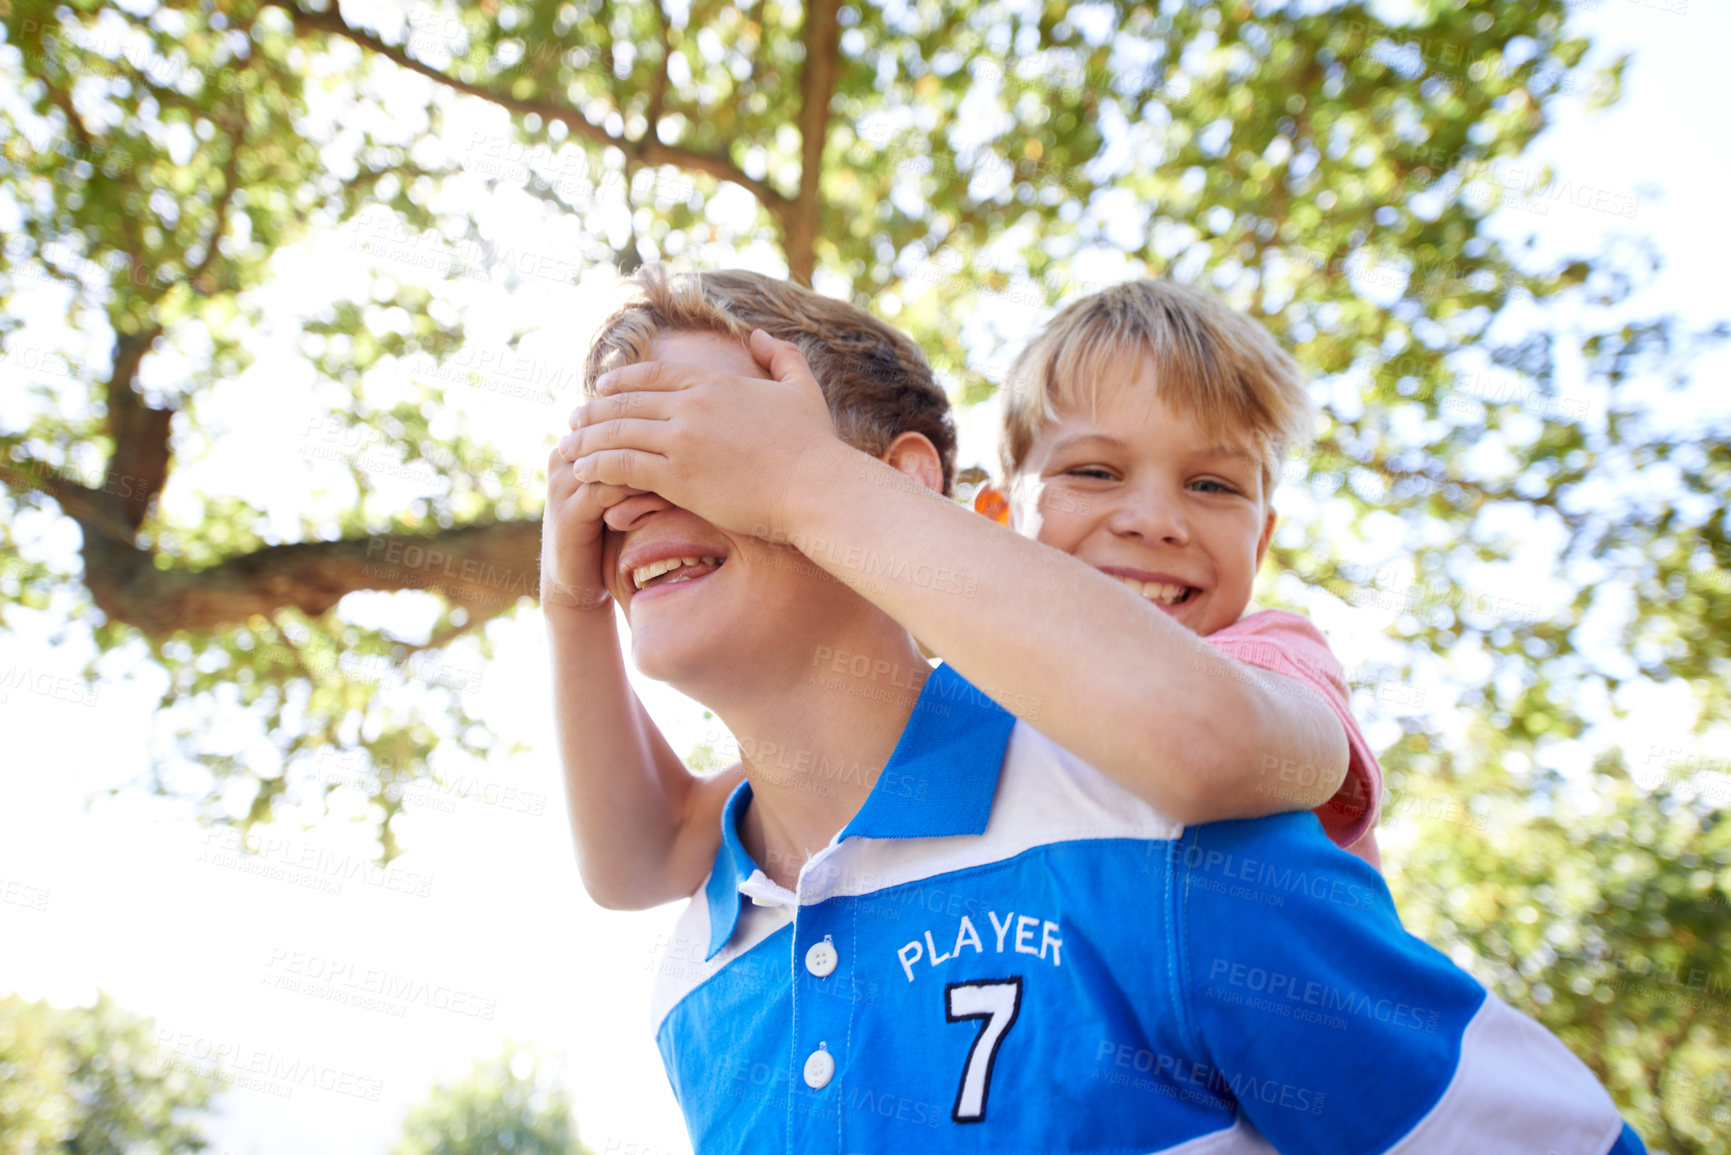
x,y
87,506
822,45
483,568
230,182
138,468
62,100
649,150
658,93
1380,465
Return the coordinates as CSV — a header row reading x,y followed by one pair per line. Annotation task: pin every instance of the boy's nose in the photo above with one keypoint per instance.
x,y
632,510
1152,518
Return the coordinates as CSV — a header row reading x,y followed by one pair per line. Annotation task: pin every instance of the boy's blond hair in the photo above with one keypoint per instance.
x,y
876,380
1210,360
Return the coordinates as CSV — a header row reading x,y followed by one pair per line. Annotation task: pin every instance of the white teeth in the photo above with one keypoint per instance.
x,y
644,574
1161,592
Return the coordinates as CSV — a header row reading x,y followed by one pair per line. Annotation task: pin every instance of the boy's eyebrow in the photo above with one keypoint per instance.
x,y
1235,452
1213,452
1082,439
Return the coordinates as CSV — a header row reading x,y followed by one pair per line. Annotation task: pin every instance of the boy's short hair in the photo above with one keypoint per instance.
x,y
876,380
1211,361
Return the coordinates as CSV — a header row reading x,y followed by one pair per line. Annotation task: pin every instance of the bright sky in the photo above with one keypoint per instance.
x,y
117,894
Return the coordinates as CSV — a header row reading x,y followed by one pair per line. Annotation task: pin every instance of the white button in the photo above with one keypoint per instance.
x,y
818,1069
820,960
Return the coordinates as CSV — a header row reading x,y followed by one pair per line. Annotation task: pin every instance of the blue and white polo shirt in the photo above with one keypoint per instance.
x,y
1005,951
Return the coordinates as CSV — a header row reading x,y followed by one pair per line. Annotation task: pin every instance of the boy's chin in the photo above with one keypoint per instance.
x,y
675,661
1191,614
685,661
1212,615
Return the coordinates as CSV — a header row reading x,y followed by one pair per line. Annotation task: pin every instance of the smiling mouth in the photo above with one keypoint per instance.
x,y
1160,593
673,570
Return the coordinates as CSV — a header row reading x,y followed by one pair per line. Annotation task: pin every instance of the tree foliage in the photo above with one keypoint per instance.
x,y
89,1081
1604,911
507,1104
951,168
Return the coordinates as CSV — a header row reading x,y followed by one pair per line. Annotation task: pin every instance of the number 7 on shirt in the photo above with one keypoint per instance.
x,y
998,1002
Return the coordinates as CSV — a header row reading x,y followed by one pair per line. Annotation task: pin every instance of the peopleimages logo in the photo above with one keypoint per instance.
x,y
56,686
370,988
20,894
302,863
1256,872
1175,1077
870,563
232,1062
1295,997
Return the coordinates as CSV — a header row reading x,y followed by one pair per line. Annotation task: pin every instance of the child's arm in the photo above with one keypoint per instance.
x,y
1094,666
646,828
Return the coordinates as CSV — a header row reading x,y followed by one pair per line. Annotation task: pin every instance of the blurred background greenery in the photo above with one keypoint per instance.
x,y
92,1081
391,214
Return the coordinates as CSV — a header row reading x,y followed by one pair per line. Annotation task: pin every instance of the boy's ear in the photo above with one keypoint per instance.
x,y
991,501
1267,536
914,455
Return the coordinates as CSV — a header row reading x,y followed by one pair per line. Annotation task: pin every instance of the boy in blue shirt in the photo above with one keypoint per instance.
x,y
990,945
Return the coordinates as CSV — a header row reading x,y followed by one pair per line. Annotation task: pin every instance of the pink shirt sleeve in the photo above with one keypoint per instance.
x,y
1287,643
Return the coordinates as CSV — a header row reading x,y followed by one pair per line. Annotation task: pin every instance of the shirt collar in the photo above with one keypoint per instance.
x,y
733,865
938,783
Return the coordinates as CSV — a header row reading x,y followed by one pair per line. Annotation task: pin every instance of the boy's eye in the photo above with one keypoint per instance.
x,y
1210,485
1089,471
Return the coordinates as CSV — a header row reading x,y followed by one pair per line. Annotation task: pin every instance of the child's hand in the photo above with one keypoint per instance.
x,y
571,531
727,448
